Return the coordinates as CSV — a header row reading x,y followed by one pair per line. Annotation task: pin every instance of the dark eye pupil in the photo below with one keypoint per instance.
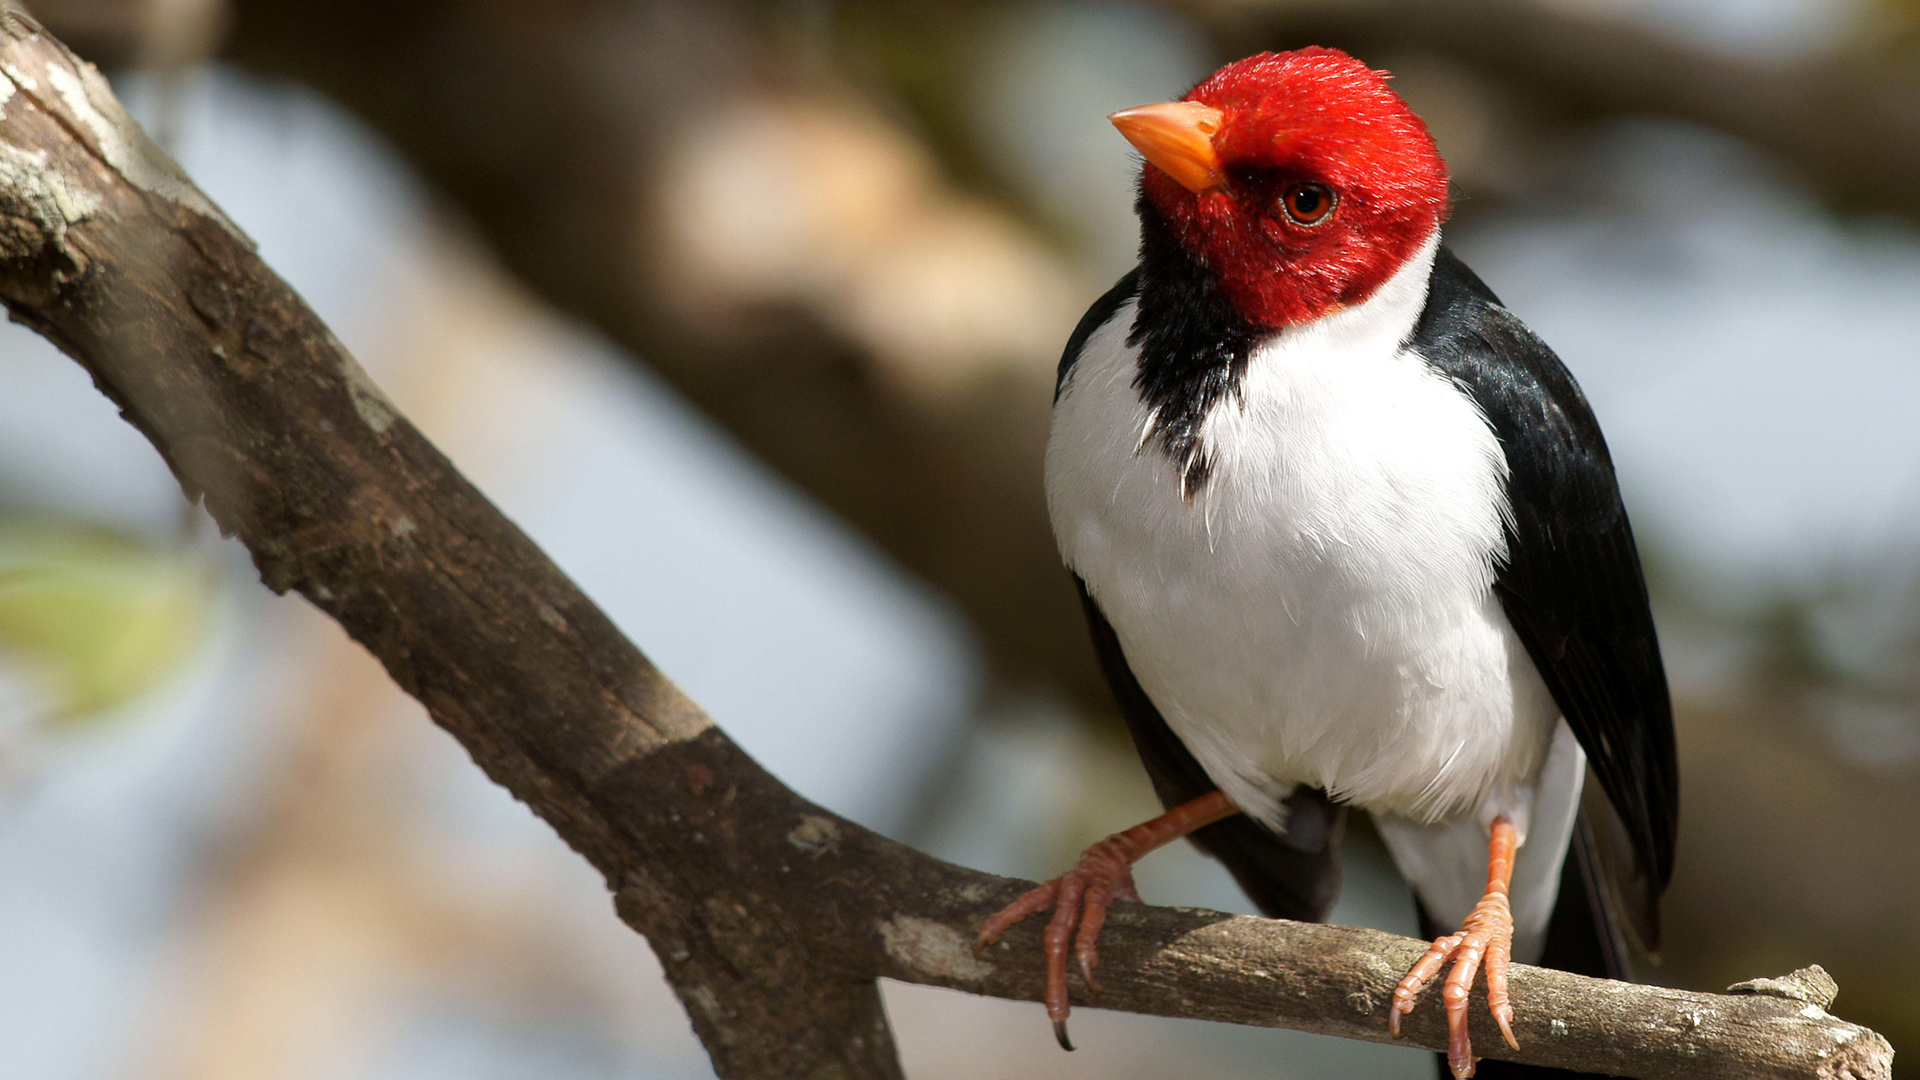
x,y
1308,203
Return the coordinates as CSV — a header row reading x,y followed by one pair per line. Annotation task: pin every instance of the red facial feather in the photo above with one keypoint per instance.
x,y
1315,115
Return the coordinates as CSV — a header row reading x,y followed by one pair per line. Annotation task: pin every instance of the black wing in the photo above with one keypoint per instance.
x,y
1571,584
1096,317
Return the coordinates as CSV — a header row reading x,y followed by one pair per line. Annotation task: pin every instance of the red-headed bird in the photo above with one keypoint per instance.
x,y
1347,534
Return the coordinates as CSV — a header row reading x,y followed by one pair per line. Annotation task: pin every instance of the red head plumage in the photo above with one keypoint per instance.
x,y
1300,178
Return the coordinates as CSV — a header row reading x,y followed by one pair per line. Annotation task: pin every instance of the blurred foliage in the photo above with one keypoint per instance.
x,y
96,617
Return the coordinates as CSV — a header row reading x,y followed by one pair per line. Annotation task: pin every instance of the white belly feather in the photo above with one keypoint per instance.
x,y
1321,611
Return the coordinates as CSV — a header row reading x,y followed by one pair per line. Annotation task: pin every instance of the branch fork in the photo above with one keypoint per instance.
x,y
772,917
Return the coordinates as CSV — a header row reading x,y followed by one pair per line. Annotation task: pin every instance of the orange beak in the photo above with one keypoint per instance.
x,y
1177,137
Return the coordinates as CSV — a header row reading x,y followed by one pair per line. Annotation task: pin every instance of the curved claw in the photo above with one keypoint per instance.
x,y
1103,874
1485,941
1486,937
1079,899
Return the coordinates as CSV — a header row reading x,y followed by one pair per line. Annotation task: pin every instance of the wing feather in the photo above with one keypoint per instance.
x,y
1571,582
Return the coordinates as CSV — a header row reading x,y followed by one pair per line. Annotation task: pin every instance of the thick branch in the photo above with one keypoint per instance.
x,y
547,123
771,916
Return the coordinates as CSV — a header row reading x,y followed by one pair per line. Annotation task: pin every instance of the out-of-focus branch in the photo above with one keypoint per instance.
x,y
772,917
1849,127
166,34
587,139
881,339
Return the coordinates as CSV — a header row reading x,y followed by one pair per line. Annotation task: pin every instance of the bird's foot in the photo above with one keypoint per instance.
x,y
1103,874
1487,935
1081,895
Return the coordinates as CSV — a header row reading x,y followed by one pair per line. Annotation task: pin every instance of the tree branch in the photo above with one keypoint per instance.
x,y
772,917
544,123
127,33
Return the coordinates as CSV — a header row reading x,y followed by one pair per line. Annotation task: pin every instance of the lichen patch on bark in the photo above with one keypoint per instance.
x,y
56,201
125,147
815,835
375,410
933,948
20,78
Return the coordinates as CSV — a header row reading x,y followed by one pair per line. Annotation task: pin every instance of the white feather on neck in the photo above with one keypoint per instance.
x,y
1321,611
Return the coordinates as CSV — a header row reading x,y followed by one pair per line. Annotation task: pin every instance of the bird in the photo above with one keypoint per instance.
x,y
1348,536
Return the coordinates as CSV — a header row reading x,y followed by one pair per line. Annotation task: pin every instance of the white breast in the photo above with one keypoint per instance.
x,y
1321,610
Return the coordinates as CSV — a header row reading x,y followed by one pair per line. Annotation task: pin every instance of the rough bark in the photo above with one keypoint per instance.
x,y
772,917
545,123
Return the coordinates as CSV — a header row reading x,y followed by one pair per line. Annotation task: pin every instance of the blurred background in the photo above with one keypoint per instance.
x,y
748,312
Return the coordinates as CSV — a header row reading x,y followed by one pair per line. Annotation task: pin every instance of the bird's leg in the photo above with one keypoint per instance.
x,y
1486,934
1103,873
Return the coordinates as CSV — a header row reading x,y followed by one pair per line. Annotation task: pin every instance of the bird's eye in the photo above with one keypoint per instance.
x,y
1308,203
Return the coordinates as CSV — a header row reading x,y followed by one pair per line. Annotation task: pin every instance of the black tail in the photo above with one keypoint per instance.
x,y
1584,937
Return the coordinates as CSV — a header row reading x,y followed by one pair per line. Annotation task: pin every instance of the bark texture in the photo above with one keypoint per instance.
x,y
773,918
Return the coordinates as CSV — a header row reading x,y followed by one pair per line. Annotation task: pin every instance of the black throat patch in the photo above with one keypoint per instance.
x,y
1193,348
